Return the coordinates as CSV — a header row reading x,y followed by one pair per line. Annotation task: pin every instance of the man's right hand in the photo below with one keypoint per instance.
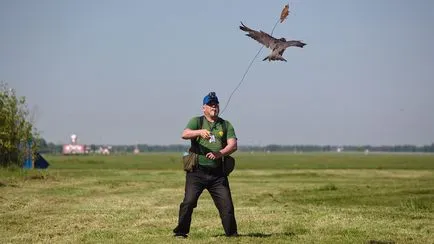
x,y
205,134
189,134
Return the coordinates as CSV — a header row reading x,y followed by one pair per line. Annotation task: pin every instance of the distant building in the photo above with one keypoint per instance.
x,y
136,150
74,147
105,150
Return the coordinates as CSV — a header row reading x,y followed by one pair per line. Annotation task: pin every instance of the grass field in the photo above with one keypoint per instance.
x,y
279,198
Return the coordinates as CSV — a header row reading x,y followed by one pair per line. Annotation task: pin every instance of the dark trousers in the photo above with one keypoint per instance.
x,y
218,186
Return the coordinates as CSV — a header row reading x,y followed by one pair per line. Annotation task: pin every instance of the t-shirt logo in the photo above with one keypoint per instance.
x,y
220,133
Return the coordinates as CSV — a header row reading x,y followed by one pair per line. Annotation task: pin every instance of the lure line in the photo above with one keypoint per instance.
x,y
280,19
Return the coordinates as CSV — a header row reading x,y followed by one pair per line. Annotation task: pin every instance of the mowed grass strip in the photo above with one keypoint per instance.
x,y
279,198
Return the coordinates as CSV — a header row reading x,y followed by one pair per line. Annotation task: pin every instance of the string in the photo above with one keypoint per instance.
x,y
248,68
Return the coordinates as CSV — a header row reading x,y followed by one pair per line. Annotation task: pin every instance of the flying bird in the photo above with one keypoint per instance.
x,y
277,46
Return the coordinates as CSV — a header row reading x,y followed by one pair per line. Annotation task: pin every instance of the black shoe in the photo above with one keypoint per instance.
x,y
180,235
233,235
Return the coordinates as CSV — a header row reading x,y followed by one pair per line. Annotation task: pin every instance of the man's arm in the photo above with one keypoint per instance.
x,y
188,134
230,148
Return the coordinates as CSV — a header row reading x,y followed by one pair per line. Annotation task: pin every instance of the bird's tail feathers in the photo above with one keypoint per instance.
x,y
244,28
274,58
281,58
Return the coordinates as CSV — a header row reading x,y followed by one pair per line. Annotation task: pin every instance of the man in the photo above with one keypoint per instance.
x,y
208,173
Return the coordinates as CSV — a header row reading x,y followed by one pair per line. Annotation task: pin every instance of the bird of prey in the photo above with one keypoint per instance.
x,y
277,46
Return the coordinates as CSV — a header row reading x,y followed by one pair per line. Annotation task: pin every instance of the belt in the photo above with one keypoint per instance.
x,y
209,170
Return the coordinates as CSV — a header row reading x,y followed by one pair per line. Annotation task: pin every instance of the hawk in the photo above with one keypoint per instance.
x,y
277,46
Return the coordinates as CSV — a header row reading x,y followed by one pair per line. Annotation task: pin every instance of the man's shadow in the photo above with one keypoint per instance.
x,y
263,235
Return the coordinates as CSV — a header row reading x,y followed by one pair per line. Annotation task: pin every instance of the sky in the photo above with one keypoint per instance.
x,y
133,71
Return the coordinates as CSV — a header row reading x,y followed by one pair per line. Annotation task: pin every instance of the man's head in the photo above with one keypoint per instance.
x,y
211,105
210,98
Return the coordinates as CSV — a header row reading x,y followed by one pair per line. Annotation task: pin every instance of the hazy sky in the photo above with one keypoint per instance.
x,y
127,72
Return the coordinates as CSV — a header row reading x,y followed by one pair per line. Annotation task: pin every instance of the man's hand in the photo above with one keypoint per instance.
x,y
205,134
214,155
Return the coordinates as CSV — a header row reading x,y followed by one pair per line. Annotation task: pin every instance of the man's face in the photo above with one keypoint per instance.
x,y
211,109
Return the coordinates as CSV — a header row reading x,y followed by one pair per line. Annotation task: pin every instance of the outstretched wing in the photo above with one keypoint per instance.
x,y
283,45
259,36
294,44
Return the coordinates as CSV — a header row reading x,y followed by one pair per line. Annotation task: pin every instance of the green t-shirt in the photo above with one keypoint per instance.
x,y
205,146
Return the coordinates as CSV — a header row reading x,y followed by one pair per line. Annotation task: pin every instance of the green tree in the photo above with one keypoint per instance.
x,y
15,127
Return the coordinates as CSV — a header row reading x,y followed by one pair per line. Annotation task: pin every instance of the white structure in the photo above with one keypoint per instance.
x,y
136,150
73,147
104,150
73,139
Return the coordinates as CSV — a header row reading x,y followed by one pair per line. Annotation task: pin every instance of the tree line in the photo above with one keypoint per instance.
x,y
52,148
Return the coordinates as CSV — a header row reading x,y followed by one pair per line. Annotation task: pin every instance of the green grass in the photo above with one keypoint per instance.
x,y
279,198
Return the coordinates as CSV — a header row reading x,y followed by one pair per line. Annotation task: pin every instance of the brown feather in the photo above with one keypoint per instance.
x,y
284,14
